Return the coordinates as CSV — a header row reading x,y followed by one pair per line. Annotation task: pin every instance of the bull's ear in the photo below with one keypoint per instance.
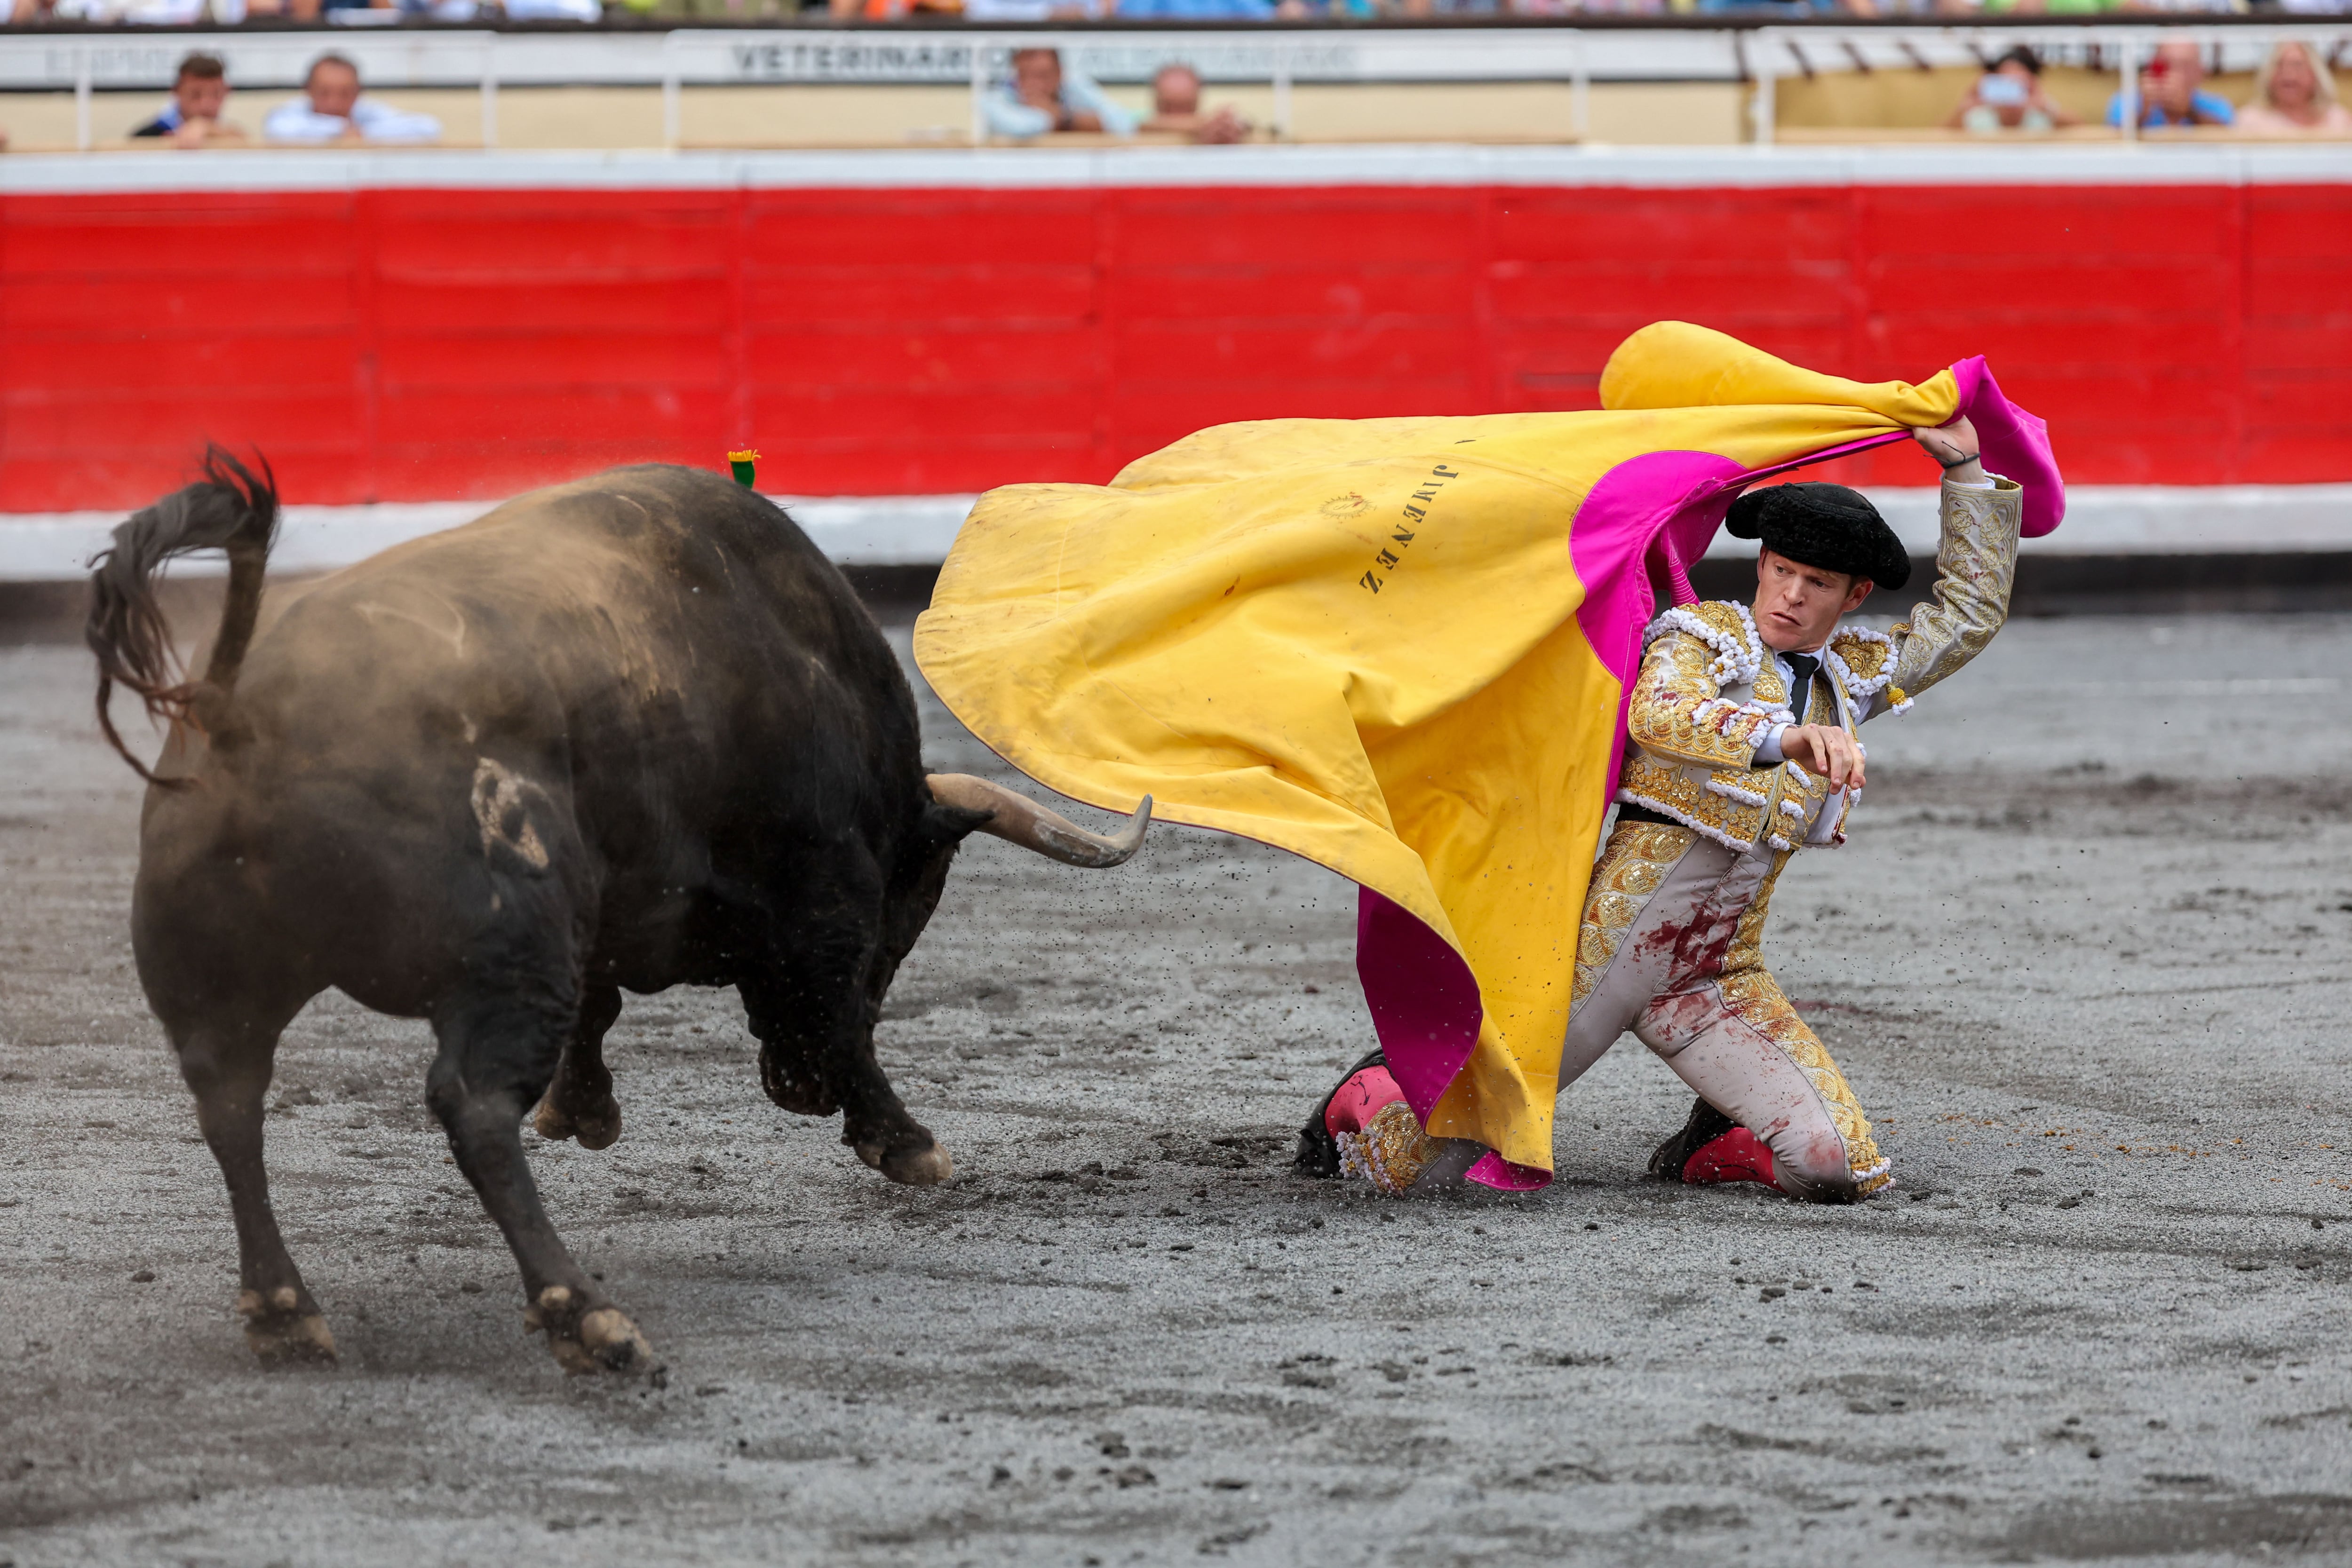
x,y
950,824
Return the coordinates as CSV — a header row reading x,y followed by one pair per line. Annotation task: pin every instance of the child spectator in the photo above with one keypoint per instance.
x,y
192,118
1041,97
332,110
2172,91
2009,96
2295,95
1176,109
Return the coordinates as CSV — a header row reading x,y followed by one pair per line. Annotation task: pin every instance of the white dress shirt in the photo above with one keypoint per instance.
x,y
296,121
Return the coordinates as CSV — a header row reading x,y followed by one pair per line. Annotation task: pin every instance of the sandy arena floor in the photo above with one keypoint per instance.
x,y
2085,961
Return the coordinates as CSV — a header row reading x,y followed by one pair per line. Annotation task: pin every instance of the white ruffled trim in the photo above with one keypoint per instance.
x,y
1723,716
1734,792
1736,664
1778,842
1861,691
1627,797
1788,806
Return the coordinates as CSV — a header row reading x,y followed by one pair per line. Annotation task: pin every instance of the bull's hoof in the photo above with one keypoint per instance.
x,y
585,1338
282,1331
910,1167
597,1127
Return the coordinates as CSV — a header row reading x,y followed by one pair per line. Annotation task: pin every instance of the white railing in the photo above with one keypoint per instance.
x,y
980,60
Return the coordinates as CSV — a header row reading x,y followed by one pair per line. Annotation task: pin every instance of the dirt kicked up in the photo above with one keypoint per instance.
x,y
2085,961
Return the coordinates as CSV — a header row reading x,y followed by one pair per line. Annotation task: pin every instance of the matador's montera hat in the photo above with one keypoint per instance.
x,y
1826,526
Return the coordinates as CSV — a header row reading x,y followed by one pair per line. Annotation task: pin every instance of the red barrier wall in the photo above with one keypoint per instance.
x,y
407,345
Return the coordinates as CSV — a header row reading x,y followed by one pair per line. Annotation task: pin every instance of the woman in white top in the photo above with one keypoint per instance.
x,y
2294,97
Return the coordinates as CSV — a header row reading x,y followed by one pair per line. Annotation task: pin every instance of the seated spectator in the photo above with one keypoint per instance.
x,y
2172,91
2009,96
332,109
1040,98
2295,95
192,118
1176,109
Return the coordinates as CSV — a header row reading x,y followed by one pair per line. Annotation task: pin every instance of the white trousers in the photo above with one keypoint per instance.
x,y
1668,950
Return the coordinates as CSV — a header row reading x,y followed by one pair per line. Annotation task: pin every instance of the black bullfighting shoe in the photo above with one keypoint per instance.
x,y
1705,1124
1319,1147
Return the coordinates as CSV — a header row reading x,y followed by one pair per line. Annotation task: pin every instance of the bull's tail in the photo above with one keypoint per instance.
x,y
230,509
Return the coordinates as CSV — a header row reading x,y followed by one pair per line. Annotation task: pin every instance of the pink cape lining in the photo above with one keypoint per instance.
x,y
1647,518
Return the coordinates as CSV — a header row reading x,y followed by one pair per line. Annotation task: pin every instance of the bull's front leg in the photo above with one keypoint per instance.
x,y
815,1020
579,1102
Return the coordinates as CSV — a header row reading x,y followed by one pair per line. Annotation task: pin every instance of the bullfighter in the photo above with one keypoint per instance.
x,y
1741,750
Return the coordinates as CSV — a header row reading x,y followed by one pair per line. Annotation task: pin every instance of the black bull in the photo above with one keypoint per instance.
x,y
620,735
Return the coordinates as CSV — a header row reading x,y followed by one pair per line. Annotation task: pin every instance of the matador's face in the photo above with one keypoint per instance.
x,y
1797,606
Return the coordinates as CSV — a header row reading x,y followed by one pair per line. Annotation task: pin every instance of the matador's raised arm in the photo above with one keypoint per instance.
x,y
1975,567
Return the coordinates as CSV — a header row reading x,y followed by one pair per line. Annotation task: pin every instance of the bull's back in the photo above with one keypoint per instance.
x,y
654,614
660,656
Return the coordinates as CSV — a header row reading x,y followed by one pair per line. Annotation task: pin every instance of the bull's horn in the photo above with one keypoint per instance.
x,y
1018,820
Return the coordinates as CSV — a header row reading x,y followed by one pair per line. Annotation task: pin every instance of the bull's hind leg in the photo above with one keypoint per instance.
x,y
497,1052
228,1066
579,1103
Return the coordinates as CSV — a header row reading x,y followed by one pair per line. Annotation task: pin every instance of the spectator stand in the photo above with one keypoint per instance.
x,y
1277,58
1277,61
402,329
142,61
1776,54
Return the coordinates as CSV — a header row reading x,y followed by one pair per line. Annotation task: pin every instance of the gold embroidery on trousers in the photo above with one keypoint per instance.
x,y
1751,992
1638,857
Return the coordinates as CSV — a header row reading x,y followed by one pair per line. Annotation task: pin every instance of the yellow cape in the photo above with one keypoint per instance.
x,y
1398,647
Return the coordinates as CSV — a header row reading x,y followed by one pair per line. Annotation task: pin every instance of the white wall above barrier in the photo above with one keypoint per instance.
x,y
918,530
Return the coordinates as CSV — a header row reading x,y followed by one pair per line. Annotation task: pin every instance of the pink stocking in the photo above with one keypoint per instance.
x,y
1359,1099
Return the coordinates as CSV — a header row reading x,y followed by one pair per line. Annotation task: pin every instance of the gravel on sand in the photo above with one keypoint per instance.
x,y
2084,961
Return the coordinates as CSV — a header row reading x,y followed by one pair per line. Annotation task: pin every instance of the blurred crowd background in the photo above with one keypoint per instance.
x,y
182,13
2267,85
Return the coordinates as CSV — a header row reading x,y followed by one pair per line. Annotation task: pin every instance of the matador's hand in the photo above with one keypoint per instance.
x,y
1826,749
1954,447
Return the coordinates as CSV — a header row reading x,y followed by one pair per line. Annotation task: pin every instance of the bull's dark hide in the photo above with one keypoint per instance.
x,y
622,734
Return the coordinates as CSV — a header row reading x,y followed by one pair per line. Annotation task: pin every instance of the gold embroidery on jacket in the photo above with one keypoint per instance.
x,y
1692,746
1678,714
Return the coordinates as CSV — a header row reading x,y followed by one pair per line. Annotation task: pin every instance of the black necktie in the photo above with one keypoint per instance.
x,y
1800,688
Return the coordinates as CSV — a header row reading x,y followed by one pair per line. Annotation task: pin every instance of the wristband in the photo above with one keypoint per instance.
x,y
1957,462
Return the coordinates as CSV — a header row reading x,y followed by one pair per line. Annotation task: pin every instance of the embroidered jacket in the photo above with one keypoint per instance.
x,y
1708,691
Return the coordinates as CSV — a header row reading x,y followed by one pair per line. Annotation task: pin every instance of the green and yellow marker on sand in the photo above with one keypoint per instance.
x,y
741,462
